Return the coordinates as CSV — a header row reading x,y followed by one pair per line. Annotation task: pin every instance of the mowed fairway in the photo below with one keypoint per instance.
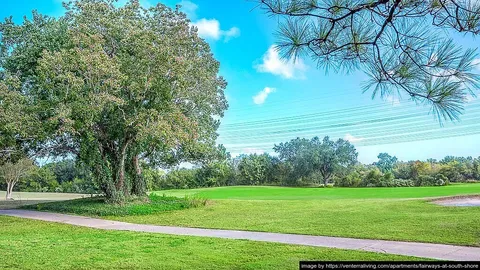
x,y
373,213
28,244
287,193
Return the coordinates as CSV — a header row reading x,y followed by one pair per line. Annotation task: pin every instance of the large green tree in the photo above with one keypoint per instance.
x,y
399,44
325,156
20,128
117,85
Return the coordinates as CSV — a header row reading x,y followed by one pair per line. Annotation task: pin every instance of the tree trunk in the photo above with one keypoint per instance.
x,y
326,176
139,185
9,191
120,185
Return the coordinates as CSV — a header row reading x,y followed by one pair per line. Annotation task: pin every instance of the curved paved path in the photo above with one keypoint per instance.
x,y
434,251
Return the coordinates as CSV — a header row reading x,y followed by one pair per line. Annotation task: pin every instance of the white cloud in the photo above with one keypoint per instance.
x,y
352,139
262,95
210,29
272,63
189,8
232,33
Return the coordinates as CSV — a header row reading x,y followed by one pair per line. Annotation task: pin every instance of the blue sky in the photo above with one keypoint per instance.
x,y
273,101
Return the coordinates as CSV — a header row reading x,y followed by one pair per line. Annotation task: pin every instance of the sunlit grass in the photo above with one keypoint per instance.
x,y
286,193
28,244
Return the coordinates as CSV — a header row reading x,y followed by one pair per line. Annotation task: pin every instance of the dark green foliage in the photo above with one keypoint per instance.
x,y
324,158
352,179
425,180
42,179
294,167
180,179
373,178
96,206
255,169
153,178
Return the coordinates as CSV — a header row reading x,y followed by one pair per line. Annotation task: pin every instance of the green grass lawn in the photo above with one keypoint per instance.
x,y
372,213
375,213
287,193
28,244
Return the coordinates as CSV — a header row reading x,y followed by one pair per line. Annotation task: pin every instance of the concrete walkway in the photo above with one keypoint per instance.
x,y
434,251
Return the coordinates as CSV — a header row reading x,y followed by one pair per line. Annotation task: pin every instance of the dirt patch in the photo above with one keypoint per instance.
x,y
464,201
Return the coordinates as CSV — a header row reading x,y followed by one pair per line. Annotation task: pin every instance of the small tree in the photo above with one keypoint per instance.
x,y
12,173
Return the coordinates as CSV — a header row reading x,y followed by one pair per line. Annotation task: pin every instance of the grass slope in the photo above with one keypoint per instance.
x,y
27,244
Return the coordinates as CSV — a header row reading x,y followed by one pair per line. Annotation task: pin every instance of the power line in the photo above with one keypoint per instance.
x,y
333,124
459,133
355,112
360,131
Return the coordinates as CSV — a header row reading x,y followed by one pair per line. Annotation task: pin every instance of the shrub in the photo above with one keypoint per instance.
x,y
97,206
425,180
196,201
386,180
372,178
352,179
402,183
442,180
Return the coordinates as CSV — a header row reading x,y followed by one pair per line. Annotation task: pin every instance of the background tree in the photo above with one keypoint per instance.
x,y
12,173
385,162
117,86
255,169
398,43
323,156
40,179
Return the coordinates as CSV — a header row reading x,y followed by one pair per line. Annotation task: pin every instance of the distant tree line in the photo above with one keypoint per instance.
x,y
64,176
316,162
299,162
